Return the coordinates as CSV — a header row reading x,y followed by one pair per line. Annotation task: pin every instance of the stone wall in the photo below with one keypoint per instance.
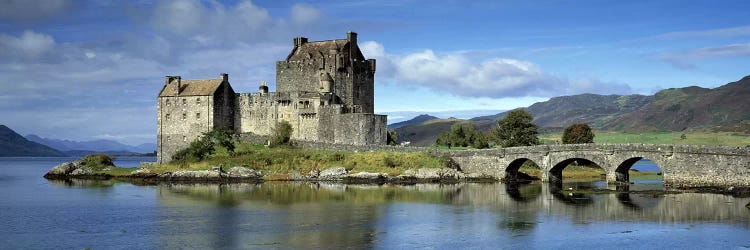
x,y
360,129
181,120
682,165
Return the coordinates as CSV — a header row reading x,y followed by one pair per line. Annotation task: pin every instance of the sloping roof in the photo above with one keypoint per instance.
x,y
315,49
192,87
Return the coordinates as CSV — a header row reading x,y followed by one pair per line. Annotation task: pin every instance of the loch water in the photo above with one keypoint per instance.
x,y
36,213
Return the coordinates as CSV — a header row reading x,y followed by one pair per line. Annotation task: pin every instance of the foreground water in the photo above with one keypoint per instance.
x,y
39,214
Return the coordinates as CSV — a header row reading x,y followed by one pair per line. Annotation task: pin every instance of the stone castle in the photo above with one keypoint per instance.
x,y
325,90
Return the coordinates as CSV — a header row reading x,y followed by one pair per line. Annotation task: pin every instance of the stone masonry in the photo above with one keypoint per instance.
x,y
683,166
325,90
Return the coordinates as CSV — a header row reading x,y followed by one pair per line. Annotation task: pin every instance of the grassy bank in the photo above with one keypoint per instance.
x,y
280,163
691,138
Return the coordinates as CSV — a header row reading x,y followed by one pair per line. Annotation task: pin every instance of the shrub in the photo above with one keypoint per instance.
x,y
463,135
392,137
97,161
281,135
578,133
205,145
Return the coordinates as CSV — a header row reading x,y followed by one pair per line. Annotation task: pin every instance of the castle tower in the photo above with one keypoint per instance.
x,y
352,75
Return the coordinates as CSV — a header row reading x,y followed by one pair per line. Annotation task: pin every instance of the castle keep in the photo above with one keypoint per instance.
x,y
325,90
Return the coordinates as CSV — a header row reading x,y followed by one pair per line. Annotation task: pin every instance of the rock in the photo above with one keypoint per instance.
x,y
64,168
438,173
142,173
313,174
480,177
368,176
365,177
244,173
335,173
82,171
200,175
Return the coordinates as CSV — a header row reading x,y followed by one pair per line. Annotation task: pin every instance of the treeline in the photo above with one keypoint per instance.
x,y
514,130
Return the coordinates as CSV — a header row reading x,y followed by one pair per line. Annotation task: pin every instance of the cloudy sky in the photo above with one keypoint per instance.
x,y
86,70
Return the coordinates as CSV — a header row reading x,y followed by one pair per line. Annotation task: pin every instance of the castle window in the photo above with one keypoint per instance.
x,y
168,139
167,102
198,101
184,116
184,138
197,115
184,101
167,116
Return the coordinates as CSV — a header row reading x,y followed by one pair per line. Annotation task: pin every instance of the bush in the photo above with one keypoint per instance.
x,y
205,145
463,135
392,137
97,161
516,129
578,133
281,135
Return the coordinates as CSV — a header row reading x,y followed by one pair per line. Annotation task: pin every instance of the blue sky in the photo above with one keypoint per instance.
x,y
86,70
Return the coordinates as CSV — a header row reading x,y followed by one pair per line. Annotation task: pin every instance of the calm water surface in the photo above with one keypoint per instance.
x,y
39,214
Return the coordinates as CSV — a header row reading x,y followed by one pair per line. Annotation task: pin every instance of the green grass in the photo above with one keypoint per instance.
x,y
281,163
691,138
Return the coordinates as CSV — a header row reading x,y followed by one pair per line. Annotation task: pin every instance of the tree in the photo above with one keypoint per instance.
x,y
281,134
392,137
462,135
683,137
578,133
516,129
205,145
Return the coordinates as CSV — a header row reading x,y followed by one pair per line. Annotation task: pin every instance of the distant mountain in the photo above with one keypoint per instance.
x,y
416,120
726,108
92,146
13,144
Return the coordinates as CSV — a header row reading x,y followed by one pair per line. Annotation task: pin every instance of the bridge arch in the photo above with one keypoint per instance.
x,y
622,173
555,172
511,171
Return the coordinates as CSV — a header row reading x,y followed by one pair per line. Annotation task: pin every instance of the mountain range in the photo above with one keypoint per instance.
x,y
12,144
725,108
92,146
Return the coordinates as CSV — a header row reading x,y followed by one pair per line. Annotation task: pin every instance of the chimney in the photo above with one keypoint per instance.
x,y
298,41
168,79
351,37
179,85
224,77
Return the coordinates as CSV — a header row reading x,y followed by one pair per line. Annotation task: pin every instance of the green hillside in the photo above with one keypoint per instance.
x,y
13,144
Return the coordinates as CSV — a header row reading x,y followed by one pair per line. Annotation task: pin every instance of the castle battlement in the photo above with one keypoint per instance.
x,y
325,90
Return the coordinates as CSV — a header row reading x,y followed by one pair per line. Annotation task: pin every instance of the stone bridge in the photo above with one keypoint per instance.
x,y
683,166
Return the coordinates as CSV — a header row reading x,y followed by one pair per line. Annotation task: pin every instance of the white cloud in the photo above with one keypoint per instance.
x,y
24,10
302,14
461,75
179,16
687,59
30,44
712,33
64,90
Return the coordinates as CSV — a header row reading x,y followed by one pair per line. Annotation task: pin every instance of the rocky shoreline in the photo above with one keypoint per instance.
x,y
238,174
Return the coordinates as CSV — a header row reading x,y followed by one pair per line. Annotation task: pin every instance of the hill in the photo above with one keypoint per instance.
x,y
416,120
92,146
13,144
725,108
